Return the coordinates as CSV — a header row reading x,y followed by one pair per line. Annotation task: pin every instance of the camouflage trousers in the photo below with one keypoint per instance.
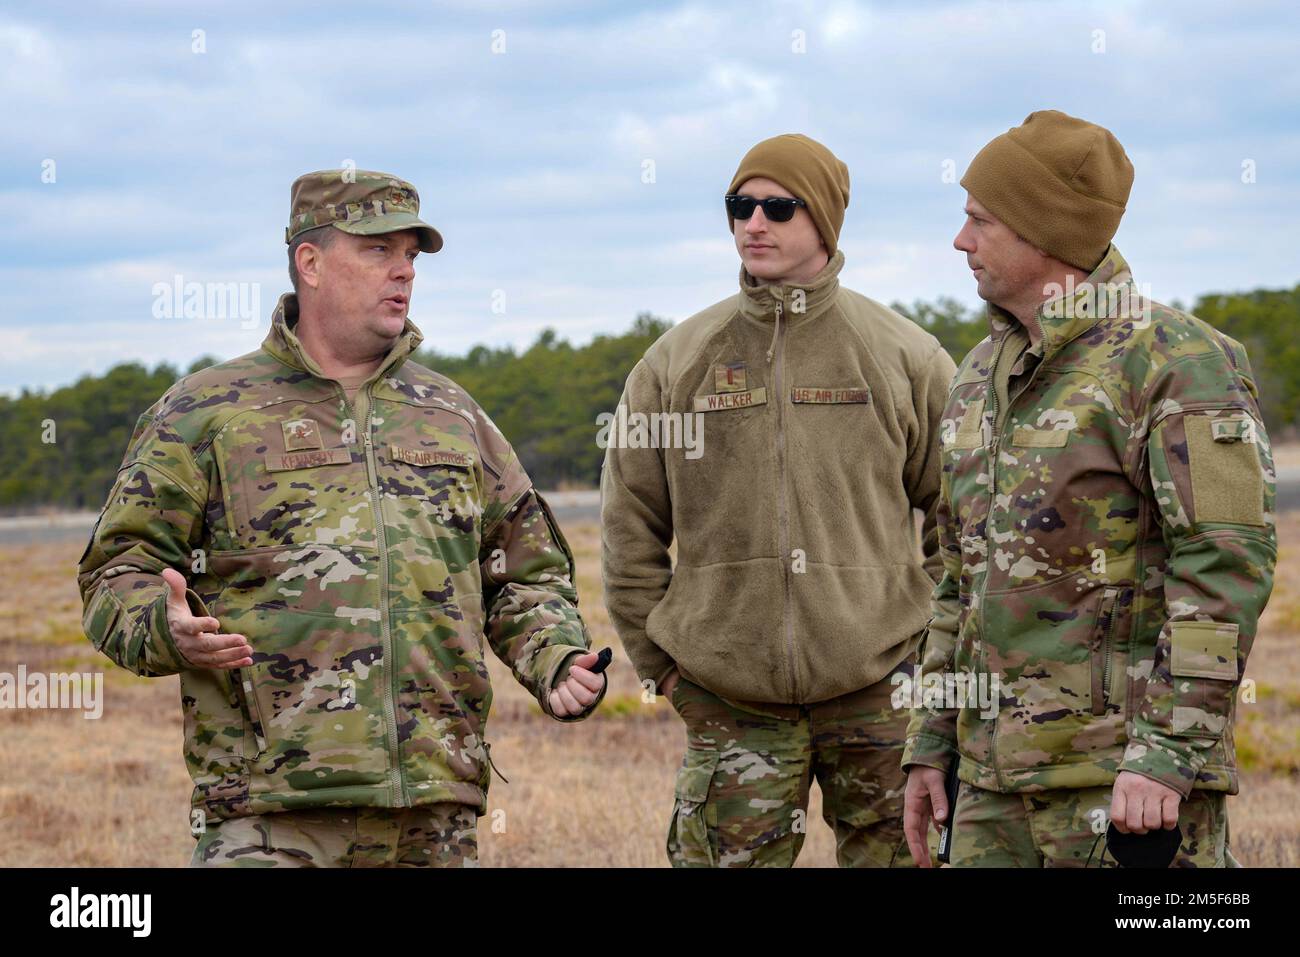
x,y
741,796
1061,828
432,835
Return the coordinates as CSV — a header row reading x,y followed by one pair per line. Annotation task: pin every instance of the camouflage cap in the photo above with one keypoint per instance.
x,y
360,202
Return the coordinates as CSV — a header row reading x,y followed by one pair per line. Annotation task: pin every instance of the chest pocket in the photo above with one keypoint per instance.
x,y
842,416
435,488
1062,491
278,495
966,465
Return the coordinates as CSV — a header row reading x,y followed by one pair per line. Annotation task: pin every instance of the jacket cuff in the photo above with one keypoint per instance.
x,y
929,751
1162,760
556,672
168,654
158,654
663,676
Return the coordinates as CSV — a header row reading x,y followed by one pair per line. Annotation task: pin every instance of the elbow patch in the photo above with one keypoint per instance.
x,y
1227,478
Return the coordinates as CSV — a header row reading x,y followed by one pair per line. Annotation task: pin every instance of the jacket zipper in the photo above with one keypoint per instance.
x,y
783,508
995,442
1101,670
1109,648
1140,573
395,789
988,539
249,708
243,696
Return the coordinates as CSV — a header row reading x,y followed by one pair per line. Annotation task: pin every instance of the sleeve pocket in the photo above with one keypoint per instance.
x,y
1204,649
1203,665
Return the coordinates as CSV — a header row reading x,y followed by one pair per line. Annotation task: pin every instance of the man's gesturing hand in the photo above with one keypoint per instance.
x,y
198,639
923,800
575,693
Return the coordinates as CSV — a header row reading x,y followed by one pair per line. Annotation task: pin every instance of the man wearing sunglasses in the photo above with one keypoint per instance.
x,y
1106,526
799,593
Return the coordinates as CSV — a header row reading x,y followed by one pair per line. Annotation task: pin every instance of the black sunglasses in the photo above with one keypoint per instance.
x,y
779,209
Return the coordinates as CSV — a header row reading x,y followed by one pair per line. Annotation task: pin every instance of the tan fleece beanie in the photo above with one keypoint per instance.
x,y
1060,182
808,170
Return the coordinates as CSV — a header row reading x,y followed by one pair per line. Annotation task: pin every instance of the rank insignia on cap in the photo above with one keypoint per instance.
x,y
300,434
729,377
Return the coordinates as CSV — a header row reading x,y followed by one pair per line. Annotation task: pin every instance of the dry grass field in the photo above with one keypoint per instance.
x,y
114,791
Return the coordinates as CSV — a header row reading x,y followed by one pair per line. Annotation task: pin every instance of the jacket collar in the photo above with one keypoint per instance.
x,y
283,343
759,301
1063,318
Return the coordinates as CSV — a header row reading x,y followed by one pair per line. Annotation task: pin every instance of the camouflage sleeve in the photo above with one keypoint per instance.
x,y
529,595
636,530
1211,472
924,458
932,731
152,520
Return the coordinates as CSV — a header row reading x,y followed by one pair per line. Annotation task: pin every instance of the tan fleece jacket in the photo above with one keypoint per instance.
x,y
798,576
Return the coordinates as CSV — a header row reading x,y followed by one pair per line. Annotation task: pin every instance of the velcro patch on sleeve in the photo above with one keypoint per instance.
x,y
307,460
830,395
731,400
1227,477
426,457
1203,649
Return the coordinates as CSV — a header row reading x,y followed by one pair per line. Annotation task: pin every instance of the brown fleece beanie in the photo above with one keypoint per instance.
x,y
808,170
1060,182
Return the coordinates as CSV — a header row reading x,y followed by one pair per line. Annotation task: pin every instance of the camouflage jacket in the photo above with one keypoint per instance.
x,y
1106,525
365,553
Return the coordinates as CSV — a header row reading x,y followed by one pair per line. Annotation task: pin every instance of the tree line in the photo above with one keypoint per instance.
x,y
545,398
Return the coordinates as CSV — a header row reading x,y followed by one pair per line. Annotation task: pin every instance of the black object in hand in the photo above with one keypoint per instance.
x,y
950,786
1152,849
602,661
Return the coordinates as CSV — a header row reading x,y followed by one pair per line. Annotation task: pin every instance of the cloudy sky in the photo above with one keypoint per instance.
x,y
136,150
